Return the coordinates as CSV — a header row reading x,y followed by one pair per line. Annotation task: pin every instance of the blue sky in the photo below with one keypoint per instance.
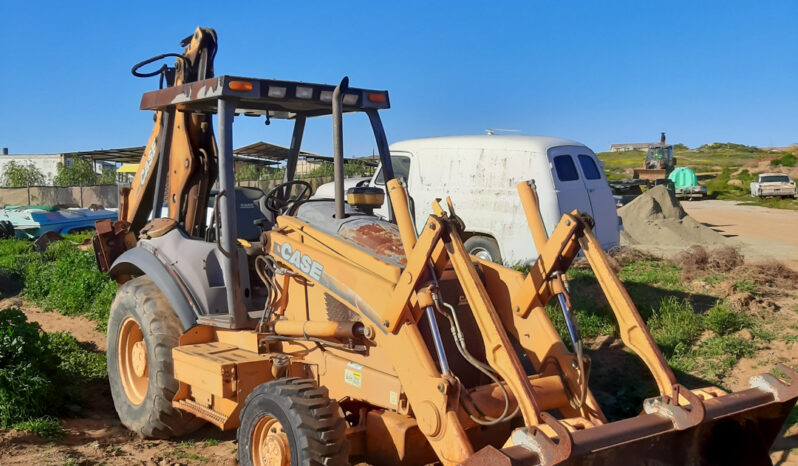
x,y
595,71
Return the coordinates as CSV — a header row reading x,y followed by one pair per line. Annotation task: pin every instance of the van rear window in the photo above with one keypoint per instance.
x,y
566,170
589,167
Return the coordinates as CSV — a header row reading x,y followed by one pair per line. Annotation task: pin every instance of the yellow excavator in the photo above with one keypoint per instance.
x,y
333,336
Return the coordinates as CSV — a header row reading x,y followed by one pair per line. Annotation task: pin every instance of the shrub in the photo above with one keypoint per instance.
x,y
67,279
15,255
41,374
28,370
786,160
723,321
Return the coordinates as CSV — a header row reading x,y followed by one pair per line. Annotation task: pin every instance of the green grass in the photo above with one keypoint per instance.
x,y
15,255
675,324
180,452
62,278
723,321
714,358
45,426
763,334
78,359
720,354
745,285
78,236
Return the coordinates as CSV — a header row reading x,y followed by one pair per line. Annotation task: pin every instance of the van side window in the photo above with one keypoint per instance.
x,y
566,170
589,167
401,169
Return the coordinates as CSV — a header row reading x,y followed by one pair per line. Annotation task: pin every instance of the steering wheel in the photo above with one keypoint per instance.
x,y
277,199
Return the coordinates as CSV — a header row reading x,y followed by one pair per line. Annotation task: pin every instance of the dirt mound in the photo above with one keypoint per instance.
x,y
657,218
772,277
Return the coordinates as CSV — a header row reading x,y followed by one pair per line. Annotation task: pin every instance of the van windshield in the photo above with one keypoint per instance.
x,y
401,169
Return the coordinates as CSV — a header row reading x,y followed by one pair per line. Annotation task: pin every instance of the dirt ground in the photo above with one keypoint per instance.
x,y
760,232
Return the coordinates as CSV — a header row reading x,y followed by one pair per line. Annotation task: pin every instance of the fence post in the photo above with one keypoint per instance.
x,y
28,183
81,194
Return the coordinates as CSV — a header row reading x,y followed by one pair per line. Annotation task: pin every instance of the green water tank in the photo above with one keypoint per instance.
x,y
683,177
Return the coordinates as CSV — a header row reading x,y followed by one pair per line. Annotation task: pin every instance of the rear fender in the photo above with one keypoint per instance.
x,y
139,261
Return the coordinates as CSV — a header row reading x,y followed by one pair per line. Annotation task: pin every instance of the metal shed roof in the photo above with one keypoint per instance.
x,y
258,152
122,155
273,152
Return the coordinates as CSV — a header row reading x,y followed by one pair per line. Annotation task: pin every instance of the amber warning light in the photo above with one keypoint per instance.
x,y
240,86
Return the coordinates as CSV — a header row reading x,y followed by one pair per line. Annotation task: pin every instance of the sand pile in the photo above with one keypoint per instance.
x,y
656,218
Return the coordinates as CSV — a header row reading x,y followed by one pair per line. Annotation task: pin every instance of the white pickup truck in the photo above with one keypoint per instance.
x,y
773,185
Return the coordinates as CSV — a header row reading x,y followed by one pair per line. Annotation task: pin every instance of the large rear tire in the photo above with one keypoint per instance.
x,y
291,422
142,330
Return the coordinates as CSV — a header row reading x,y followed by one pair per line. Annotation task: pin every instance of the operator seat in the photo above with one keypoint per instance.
x,y
252,217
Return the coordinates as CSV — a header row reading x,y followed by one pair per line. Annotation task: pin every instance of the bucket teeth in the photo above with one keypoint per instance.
x,y
781,390
682,417
549,452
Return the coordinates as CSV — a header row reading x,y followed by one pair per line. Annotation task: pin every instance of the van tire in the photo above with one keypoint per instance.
x,y
140,305
483,247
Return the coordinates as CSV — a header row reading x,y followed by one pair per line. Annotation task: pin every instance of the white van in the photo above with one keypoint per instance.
x,y
480,174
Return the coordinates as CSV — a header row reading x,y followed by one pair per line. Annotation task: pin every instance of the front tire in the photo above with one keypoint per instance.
x,y
291,422
142,330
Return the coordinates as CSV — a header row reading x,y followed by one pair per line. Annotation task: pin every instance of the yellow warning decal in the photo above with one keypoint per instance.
x,y
352,374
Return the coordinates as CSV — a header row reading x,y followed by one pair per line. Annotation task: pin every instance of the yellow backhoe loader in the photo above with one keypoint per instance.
x,y
333,336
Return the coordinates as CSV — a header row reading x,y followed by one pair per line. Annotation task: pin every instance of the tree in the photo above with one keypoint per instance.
x,y
108,176
248,172
18,175
80,172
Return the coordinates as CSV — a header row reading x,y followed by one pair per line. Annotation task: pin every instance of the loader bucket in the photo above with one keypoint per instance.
x,y
650,174
737,429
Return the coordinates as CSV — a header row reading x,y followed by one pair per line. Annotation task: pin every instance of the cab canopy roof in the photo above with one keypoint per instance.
x,y
277,99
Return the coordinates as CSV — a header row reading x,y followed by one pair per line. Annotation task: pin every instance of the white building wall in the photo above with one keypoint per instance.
x,y
46,163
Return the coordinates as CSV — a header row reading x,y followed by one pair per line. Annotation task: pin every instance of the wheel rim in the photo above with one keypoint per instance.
x,y
269,443
133,367
482,253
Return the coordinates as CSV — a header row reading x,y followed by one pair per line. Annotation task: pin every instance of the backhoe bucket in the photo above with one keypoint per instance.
x,y
737,429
